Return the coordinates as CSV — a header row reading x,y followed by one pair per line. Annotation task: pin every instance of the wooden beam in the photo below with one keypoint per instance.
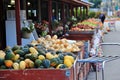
x,y
18,26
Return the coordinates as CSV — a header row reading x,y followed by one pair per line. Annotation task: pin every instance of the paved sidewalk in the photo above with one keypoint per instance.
x,y
112,71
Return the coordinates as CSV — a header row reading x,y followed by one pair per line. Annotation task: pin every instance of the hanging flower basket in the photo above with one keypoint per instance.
x,y
27,30
26,35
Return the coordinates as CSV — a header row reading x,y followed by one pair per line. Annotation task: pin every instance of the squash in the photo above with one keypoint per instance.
x,y
61,56
68,63
9,56
17,61
3,67
16,47
55,37
2,57
59,52
21,58
1,61
27,56
27,61
16,57
2,54
32,57
46,63
33,50
55,56
31,64
40,51
70,58
71,54
61,66
8,50
8,63
28,45
22,65
48,37
38,62
20,52
15,66
26,50
49,55
41,57
54,62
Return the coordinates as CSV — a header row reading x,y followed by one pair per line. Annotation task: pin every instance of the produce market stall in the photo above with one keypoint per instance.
x,y
40,60
91,32
46,56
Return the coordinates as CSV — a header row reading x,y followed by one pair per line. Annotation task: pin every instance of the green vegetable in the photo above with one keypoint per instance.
x,y
54,62
16,47
9,56
61,66
46,63
1,62
20,52
38,62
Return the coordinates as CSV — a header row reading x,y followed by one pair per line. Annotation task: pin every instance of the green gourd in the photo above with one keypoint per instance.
x,y
46,63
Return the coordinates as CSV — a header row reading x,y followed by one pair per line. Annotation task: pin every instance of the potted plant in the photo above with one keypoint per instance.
x,y
27,30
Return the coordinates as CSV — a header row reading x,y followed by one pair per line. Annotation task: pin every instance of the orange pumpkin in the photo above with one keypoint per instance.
x,y
8,63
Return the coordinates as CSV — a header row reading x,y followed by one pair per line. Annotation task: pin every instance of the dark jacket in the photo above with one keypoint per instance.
x,y
102,17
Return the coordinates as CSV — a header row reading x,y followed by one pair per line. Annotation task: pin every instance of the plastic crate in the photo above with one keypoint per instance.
x,y
37,74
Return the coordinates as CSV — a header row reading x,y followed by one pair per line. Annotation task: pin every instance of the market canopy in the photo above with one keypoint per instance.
x,y
78,2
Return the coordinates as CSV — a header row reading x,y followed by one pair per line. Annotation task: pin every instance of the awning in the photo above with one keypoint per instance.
x,y
86,1
77,2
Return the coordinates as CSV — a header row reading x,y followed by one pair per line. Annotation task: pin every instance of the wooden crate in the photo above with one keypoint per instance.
x,y
37,74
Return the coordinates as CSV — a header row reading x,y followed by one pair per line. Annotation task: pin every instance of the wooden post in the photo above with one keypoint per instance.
x,y
63,16
63,11
83,12
87,11
72,11
50,15
57,10
76,11
39,10
80,11
18,28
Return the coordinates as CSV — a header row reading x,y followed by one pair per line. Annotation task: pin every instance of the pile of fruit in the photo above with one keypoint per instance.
x,y
38,54
87,25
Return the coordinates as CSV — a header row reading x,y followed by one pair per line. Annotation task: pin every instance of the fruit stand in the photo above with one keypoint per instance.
x,y
89,31
36,61
49,57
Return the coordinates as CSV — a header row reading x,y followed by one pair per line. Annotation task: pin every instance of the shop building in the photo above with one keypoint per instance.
x,y
14,12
